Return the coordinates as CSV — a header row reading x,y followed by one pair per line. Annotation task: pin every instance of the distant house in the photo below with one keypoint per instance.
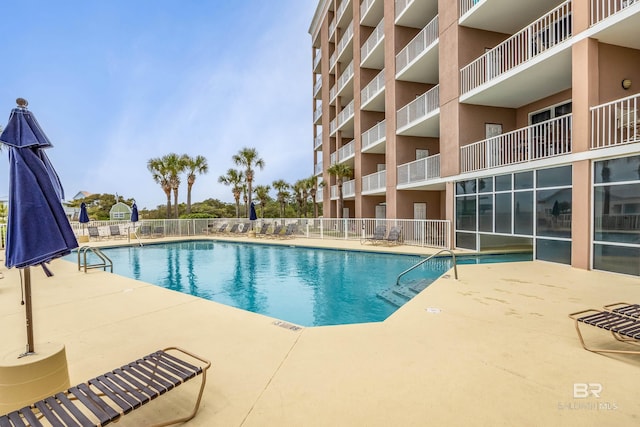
x,y
120,212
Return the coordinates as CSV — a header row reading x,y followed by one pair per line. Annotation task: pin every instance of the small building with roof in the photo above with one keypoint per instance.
x,y
120,212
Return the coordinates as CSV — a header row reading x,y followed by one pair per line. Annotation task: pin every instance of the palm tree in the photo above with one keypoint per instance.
x,y
194,165
161,175
313,190
176,164
281,187
301,189
248,158
234,178
340,171
262,195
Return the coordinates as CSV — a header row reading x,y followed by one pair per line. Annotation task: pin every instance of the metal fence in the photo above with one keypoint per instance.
x,y
424,233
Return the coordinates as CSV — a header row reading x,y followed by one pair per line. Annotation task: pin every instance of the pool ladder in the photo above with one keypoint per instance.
x,y
453,256
105,261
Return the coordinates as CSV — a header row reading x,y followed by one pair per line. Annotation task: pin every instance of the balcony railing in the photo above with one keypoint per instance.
x,y
545,33
420,108
419,170
418,45
546,139
334,158
316,59
346,38
317,113
401,5
346,151
319,194
317,141
374,135
342,8
346,114
374,39
466,5
602,9
333,126
374,182
365,6
616,122
332,27
316,86
333,92
348,190
373,88
345,76
318,168
333,59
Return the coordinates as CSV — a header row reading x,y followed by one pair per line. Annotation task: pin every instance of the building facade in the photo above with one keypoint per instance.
x,y
518,121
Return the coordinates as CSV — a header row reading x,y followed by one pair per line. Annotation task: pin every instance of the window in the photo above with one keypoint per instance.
x,y
551,112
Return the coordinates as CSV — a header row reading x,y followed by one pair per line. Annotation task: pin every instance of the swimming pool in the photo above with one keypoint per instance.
x,y
305,286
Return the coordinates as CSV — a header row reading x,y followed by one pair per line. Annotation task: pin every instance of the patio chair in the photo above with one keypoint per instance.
x,y
114,231
277,230
145,231
623,322
394,236
263,230
290,232
158,232
378,236
221,229
94,233
109,397
234,228
245,227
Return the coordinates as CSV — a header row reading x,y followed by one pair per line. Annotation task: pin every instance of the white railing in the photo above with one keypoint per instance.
x,y
333,158
346,151
551,138
616,122
420,108
401,6
553,28
333,92
419,170
602,9
365,6
319,194
349,188
342,8
466,5
334,192
318,168
333,126
374,39
374,182
374,87
346,38
332,60
316,86
374,135
317,58
317,141
418,45
425,233
345,76
317,113
332,27
346,114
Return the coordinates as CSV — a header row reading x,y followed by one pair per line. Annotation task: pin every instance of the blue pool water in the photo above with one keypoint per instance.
x,y
305,286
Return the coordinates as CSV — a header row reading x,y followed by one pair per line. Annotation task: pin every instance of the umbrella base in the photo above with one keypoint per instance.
x,y
83,239
31,378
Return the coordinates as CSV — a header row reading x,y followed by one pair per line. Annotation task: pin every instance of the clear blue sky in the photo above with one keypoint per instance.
x,y
115,83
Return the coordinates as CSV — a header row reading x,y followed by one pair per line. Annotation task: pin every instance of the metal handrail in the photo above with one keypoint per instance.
x,y
455,267
106,261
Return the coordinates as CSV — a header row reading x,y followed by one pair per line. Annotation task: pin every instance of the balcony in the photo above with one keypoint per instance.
x,y
371,12
332,28
345,46
316,60
616,22
345,119
422,116
543,140
374,184
348,190
317,86
317,142
372,52
415,13
333,93
347,152
345,82
318,168
374,140
372,96
616,123
418,61
333,126
333,59
344,13
319,194
502,16
419,171
532,64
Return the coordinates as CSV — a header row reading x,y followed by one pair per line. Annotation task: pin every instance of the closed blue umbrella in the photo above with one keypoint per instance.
x,y
84,215
252,212
38,229
134,213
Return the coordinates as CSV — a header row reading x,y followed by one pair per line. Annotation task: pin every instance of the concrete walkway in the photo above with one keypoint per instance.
x,y
493,348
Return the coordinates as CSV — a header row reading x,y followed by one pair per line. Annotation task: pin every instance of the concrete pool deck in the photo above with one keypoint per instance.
x,y
494,347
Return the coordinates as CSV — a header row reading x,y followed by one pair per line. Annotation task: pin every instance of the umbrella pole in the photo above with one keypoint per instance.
x,y
27,302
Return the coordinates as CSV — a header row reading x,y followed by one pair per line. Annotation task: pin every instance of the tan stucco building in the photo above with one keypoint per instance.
x,y
518,121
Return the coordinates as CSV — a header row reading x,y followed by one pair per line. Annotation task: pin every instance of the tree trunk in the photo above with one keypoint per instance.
x,y
168,193
189,185
175,202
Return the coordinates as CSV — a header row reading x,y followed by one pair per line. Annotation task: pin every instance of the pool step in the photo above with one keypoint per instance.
x,y
392,298
403,292
420,285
